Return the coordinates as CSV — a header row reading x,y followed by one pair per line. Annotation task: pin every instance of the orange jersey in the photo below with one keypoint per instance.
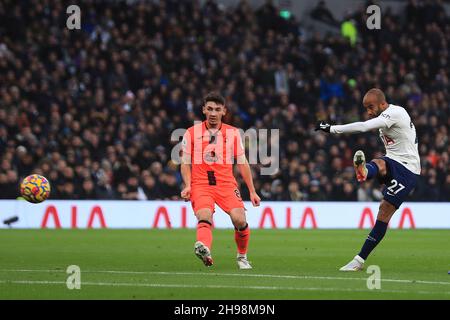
x,y
212,153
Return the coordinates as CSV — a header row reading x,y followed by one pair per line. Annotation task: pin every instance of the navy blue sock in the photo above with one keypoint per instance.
x,y
373,239
372,169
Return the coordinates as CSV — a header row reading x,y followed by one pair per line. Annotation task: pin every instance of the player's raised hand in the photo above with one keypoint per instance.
x,y
255,199
323,126
186,193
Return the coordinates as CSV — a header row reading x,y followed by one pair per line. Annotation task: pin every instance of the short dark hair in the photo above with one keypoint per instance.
x,y
214,97
377,93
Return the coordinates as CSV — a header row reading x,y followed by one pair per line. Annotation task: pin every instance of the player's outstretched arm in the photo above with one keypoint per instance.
x,y
185,169
246,173
355,127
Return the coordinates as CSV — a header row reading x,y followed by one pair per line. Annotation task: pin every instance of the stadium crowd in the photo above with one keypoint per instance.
x,y
93,109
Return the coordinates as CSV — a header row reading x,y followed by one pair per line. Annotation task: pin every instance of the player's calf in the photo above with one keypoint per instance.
x,y
241,237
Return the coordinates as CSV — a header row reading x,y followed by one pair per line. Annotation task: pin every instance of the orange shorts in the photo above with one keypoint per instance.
x,y
227,198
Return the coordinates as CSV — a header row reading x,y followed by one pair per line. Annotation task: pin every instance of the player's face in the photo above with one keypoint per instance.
x,y
372,105
214,112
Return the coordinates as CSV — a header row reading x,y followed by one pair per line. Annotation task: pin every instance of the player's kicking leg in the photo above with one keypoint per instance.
x,y
399,182
365,171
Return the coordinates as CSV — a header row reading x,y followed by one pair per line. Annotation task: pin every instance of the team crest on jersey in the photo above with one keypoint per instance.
x,y
211,157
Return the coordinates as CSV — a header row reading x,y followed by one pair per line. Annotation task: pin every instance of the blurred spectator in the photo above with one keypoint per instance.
x,y
278,191
8,185
265,192
349,193
315,194
366,192
322,13
88,190
294,192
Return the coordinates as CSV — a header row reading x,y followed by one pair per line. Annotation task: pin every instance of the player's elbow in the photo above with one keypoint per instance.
x,y
241,160
184,167
185,161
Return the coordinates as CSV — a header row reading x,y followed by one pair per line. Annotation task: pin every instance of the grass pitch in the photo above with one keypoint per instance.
x,y
160,264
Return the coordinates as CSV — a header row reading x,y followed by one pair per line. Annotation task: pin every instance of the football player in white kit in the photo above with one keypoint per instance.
x,y
398,170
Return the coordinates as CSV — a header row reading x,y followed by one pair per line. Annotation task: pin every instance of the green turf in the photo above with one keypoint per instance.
x,y
160,264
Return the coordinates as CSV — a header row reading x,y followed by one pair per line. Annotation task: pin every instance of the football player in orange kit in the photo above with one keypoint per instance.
x,y
209,150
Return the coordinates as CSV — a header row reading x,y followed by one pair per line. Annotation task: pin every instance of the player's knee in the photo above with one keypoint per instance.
x,y
204,214
383,216
385,212
238,219
240,223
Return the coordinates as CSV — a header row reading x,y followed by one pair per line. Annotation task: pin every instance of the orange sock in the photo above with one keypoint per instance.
x,y
204,233
242,238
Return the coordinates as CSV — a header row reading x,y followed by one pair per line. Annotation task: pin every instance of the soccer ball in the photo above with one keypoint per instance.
x,y
35,188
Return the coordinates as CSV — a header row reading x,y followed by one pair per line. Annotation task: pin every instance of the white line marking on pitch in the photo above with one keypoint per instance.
x,y
162,285
229,275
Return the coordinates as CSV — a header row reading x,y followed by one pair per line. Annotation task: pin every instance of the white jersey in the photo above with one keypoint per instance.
x,y
399,138
397,133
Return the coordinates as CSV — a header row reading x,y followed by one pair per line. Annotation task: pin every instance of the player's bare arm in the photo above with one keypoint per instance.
x,y
186,175
246,173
